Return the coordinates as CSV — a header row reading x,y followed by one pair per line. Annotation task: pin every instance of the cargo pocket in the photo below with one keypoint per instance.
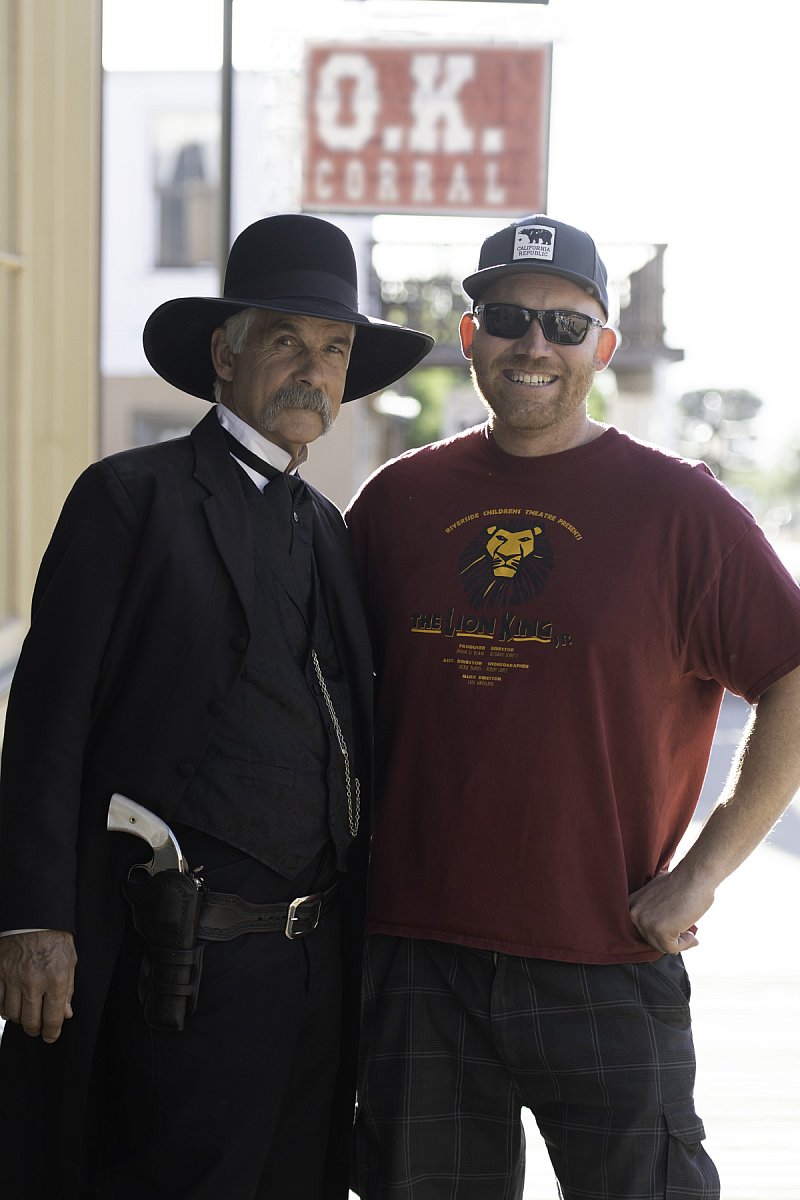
x,y
691,1175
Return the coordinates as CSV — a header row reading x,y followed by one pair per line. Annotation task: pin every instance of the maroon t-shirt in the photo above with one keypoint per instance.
x,y
553,636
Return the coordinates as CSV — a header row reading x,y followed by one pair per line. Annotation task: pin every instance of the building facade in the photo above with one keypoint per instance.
x,y
50,105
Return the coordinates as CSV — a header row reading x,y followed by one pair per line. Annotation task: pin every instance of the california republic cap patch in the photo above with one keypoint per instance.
x,y
534,241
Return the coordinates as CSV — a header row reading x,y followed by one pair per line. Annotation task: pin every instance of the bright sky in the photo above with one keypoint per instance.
x,y
671,121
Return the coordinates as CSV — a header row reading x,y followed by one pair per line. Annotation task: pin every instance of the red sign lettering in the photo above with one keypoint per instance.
x,y
423,129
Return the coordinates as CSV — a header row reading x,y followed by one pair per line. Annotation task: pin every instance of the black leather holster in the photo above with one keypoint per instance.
x,y
166,910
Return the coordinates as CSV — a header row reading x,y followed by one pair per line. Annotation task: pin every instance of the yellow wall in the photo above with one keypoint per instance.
x,y
53,163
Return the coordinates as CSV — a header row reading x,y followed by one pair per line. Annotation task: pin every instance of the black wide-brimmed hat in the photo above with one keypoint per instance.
x,y
290,263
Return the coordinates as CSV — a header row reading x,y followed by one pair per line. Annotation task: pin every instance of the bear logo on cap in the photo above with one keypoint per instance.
x,y
534,241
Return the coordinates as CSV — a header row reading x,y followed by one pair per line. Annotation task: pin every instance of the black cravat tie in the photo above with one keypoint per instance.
x,y
247,456
286,485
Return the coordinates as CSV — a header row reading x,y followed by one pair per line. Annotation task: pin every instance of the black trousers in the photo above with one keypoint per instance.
x,y
238,1104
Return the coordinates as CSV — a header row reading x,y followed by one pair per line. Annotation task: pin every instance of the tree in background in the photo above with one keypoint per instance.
x,y
716,425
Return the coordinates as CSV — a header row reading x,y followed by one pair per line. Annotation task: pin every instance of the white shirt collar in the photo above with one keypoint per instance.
x,y
254,441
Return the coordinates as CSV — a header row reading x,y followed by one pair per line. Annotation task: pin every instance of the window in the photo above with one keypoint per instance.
x,y
187,189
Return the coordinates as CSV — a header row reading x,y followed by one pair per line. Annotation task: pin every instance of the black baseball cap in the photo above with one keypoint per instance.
x,y
540,243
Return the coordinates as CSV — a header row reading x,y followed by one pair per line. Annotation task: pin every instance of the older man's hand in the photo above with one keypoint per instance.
x,y
37,978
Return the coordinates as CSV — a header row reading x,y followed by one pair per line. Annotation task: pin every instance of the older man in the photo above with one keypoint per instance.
x,y
197,646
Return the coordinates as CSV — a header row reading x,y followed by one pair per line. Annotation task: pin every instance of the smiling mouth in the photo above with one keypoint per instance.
x,y
528,379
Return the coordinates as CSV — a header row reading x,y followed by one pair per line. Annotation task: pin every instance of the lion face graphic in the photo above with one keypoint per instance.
x,y
506,565
507,549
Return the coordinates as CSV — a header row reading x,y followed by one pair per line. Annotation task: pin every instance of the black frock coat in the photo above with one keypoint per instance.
x,y
140,623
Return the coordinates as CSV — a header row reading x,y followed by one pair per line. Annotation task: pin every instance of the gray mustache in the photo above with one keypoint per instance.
x,y
296,396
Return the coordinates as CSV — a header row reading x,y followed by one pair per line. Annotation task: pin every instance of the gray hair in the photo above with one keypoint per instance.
x,y
236,329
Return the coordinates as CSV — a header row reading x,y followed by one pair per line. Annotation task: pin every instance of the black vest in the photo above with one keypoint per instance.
x,y
271,781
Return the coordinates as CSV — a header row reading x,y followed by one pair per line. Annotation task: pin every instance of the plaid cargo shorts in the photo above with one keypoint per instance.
x,y
457,1041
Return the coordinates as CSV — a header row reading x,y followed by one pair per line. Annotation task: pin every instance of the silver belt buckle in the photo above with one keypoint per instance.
x,y
292,915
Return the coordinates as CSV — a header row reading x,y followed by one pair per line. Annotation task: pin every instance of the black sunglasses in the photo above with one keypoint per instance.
x,y
559,325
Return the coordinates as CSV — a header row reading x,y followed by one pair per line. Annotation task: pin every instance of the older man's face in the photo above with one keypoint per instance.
x,y
288,381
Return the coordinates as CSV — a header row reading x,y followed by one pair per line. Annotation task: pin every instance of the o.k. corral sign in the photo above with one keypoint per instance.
x,y
426,129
